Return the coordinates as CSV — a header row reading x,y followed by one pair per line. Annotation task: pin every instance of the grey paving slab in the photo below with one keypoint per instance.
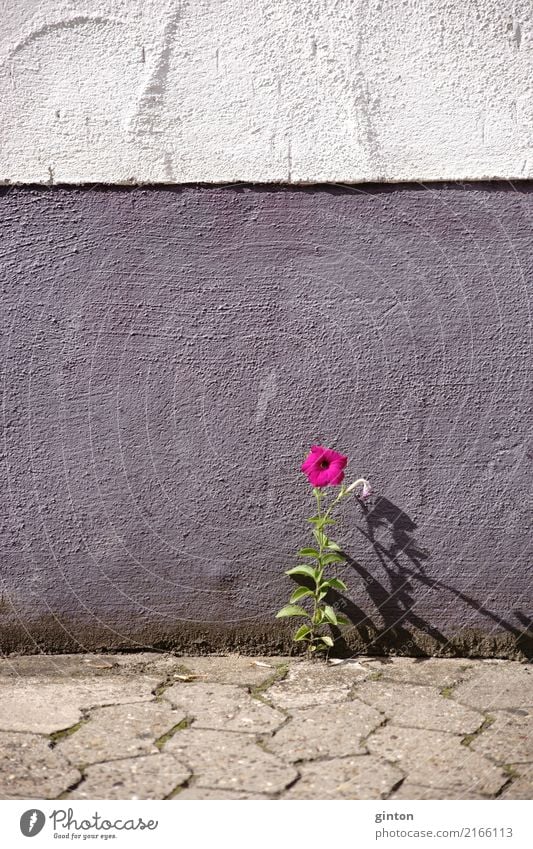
x,y
223,706
320,732
147,777
509,737
43,706
153,725
311,683
235,669
408,790
205,795
82,665
31,769
494,686
435,672
121,731
435,759
364,777
228,761
415,706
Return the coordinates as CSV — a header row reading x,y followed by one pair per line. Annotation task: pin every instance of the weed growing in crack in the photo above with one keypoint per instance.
x,y
446,692
323,468
487,722
185,723
56,736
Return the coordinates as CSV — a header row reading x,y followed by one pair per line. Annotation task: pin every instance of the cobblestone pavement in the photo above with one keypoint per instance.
x,y
155,726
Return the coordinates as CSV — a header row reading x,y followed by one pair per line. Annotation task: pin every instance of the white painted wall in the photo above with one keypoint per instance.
x,y
265,90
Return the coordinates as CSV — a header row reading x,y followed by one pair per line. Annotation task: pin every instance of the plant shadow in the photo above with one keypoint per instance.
x,y
390,531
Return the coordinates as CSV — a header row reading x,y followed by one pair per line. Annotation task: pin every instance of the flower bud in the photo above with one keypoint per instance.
x,y
366,490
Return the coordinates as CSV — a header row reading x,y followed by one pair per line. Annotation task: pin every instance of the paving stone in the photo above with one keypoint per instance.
x,y
433,671
228,761
521,787
82,665
414,706
122,731
364,777
223,706
312,683
234,669
334,734
497,686
435,759
203,794
146,777
408,790
43,706
31,769
317,732
509,739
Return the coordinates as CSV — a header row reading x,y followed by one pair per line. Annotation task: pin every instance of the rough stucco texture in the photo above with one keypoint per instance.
x,y
270,90
170,355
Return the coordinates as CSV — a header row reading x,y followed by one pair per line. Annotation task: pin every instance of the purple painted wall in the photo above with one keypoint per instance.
x,y
170,354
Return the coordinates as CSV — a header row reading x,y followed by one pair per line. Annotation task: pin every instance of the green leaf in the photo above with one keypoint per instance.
x,y
300,592
333,546
330,615
320,521
333,558
334,584
319,647
342,620
302,633
291,610
318,617
308,571
327,640
319,536
308,552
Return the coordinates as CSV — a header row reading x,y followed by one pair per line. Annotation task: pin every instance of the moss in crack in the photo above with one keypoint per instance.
x,y
447,692
74,786
466,741
280,672
185,723
176,791
181,673
262,741
375,676
394,788
259,692
509,770
384,722
56,736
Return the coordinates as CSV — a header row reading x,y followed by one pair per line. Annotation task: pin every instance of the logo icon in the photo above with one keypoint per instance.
x,y
32,822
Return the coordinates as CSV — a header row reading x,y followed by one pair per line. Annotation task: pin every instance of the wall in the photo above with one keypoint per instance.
x,y
270,91
170,355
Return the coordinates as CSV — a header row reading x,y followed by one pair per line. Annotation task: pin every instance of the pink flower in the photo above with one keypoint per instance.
x,y
324,467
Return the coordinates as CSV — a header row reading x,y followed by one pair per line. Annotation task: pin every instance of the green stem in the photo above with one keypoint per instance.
x,y
316,601
318,496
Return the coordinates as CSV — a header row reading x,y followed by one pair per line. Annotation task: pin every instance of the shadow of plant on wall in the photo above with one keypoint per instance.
x,y
390,532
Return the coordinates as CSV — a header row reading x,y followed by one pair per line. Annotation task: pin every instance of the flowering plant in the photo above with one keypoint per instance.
x,y
323,468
